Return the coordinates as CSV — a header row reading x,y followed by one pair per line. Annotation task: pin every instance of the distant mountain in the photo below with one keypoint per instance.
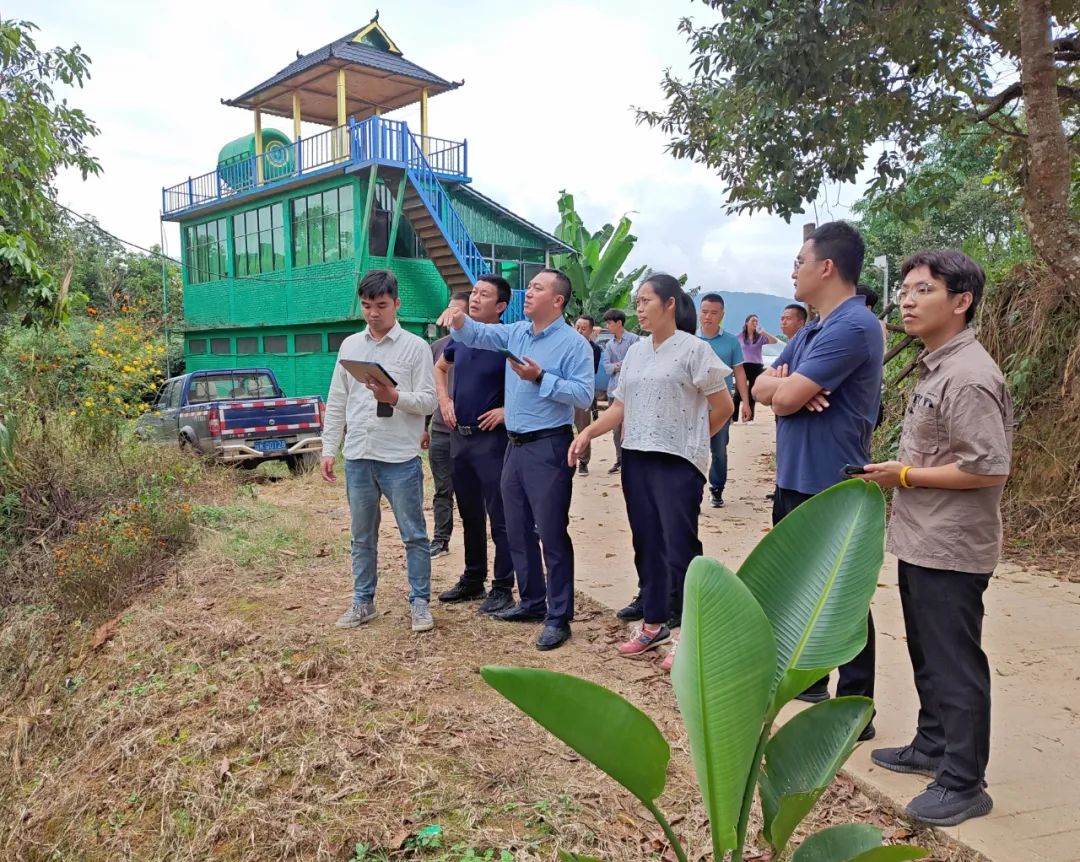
x,y
737,306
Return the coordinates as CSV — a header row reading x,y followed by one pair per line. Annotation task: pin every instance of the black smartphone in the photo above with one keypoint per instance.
x,y
853,470
384,410
510,356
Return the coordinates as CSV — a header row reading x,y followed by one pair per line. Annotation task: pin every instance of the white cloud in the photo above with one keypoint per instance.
x,y
546,105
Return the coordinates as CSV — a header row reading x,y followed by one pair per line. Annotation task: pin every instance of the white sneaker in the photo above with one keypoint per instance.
x,y
421,616
357,615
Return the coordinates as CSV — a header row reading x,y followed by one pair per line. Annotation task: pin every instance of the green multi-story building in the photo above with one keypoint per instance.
x,y
275,238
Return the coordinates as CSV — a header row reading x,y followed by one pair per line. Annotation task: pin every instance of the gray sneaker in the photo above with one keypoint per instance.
x,y
421,616
357,615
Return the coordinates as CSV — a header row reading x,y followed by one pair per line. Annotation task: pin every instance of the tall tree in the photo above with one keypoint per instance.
x,y
40,133
787,95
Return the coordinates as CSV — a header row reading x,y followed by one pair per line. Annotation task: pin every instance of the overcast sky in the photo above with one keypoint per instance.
x,y
546,105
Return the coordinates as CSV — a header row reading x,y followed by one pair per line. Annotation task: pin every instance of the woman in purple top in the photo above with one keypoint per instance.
x,y
752,338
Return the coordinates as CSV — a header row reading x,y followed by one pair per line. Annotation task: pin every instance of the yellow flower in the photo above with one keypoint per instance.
x,y
89,403
72,413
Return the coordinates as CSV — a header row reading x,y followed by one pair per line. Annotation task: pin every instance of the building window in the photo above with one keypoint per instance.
x,y
275,344
247,344
335,340
323,227
196,346
220,346
205,250
259,240
308,343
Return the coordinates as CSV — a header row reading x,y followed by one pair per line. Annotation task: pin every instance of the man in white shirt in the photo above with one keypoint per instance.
x,y
382,446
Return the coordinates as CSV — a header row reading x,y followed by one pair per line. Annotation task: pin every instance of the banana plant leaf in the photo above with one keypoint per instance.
x,y
722,679
852,842
802,759
613,256
600,725
814,576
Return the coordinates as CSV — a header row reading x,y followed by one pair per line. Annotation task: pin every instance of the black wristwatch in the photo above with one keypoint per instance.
x,y
540,379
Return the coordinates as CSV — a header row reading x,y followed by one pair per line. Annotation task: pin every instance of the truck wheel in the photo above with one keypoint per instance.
x,y
300,465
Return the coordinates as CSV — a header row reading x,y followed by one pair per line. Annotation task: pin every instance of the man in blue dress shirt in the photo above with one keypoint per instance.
x,y
553,377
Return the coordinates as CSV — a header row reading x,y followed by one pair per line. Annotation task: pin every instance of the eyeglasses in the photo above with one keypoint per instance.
x,y
799,262
920,290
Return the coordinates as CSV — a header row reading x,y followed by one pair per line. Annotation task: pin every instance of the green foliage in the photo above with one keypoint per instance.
x,y
633,751
955,198
786,96
39,136
796,609
727,641
852,842
594,268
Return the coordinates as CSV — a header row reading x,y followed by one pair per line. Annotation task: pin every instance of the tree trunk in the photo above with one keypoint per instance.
x,y
1054,233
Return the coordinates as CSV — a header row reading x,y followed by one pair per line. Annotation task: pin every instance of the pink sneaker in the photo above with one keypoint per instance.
x,y
643,641
669,659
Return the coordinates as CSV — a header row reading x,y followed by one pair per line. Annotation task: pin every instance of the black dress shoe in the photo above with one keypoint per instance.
x,y
816,693
868,732
518,614
675,620
497,600
463,591
553,637
615,468
632,611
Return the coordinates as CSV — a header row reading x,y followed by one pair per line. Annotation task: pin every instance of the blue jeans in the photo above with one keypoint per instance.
x,y
366,481
718,469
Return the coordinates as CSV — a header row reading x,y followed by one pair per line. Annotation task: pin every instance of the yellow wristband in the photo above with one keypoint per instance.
x,y
903,477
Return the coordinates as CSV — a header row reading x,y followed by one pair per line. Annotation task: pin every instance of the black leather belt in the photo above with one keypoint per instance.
x,y
468,430
530,436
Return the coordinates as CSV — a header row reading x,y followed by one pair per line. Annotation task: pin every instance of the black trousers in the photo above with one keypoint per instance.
x,y
536,487
857,676
477,461
753,372
443,501
663,503
943,614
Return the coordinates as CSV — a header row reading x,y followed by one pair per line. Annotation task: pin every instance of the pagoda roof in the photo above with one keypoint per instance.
x,y
378,78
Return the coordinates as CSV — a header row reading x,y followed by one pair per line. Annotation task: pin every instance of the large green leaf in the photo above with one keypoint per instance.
x,y
852,842
802,759
722,679
613,256
814,575
600,725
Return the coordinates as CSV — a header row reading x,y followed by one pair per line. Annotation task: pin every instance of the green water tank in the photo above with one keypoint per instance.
x,y
235,159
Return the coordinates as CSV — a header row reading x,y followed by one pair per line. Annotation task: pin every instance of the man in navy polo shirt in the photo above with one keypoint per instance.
x,y
825,390
473,409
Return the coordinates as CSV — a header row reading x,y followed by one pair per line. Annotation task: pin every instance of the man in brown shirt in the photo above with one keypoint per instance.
x,y
945,529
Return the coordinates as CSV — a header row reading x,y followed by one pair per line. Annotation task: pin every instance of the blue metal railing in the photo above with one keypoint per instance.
x,y
374,140
516,309
439,204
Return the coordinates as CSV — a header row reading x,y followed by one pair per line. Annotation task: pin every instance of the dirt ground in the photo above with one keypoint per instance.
x,y
223,716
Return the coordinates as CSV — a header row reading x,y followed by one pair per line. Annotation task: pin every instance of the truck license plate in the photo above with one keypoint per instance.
x,y
269,445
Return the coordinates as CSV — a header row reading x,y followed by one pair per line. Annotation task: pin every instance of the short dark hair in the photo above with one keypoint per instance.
x,y
713,297
798,309
615,314
588,317
959,272
502,286
563,287
868,292
460,296
843,245
376,283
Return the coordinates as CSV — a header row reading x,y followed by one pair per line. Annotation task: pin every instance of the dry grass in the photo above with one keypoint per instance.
x,y
226,718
